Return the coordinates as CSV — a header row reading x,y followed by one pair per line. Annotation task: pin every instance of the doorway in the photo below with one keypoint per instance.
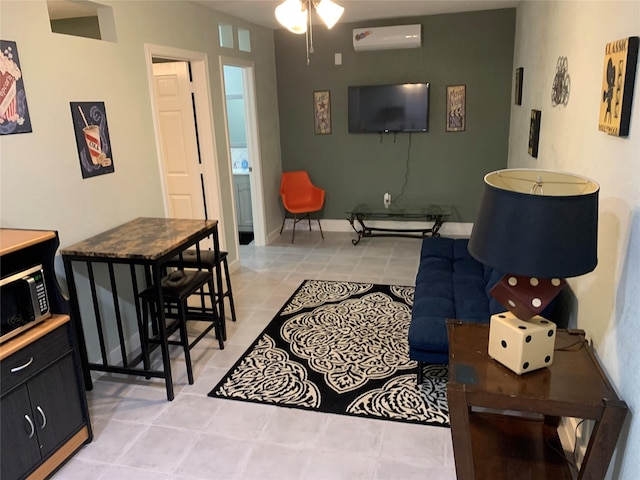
x,y
179,138
244,154
208,166
196,163
238,150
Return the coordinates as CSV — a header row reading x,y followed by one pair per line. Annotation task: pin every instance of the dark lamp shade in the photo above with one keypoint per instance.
x,y
537,223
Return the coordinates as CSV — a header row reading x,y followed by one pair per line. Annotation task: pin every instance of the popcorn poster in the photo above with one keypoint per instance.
x,y
92,138
14,114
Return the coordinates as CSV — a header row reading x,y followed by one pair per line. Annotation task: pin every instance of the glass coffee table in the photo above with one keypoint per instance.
x,y
407,221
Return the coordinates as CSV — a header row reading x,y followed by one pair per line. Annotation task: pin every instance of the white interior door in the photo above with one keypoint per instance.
x,y
179,143
208,191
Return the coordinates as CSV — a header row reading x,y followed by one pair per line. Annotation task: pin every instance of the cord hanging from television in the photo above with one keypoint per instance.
x,y
406,170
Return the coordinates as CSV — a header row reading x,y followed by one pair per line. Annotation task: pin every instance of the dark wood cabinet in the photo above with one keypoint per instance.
x,y
55,402
18,441
43,408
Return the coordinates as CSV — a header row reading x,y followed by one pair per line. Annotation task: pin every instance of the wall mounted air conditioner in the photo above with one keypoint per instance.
x,y
387,38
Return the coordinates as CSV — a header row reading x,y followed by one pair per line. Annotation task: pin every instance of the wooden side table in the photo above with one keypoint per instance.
x,y
505,426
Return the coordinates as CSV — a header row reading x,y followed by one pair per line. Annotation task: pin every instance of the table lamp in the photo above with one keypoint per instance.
x,y
541,227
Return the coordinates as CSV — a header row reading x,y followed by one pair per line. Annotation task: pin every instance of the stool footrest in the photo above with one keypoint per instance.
x,y
208,259
195,341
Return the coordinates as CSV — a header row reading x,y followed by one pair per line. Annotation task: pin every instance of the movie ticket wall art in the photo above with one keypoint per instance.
x,y
456,108
618,79
92,138
14,114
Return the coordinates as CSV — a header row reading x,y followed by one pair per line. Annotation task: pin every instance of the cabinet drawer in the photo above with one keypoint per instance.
x,y
34,357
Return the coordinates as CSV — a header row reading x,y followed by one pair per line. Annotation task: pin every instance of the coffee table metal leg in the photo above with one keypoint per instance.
x,y
360,233
439,220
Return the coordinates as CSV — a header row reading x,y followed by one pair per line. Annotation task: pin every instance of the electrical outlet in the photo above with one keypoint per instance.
x,y
387,200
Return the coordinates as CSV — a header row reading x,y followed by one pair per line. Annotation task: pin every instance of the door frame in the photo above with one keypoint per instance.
x,y
253,145
204,118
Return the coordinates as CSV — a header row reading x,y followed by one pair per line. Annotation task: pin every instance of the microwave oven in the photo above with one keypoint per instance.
x,y
24,302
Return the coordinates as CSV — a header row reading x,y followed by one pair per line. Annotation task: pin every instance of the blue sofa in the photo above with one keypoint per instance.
x,y
450,284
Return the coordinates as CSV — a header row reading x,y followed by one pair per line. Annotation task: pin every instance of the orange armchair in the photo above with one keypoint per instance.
x,y
300,196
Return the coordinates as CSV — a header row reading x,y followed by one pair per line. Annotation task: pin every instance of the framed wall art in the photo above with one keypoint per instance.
x,y
322,112
518,86
618,78
92,138
534,132
14,114
456,108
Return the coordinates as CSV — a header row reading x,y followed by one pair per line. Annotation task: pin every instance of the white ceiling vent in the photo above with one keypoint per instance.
x,y
387,38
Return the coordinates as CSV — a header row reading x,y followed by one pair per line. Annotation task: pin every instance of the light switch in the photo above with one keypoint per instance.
x,y
338,58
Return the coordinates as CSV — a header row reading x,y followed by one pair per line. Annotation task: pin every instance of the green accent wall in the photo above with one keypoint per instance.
x,y
474,49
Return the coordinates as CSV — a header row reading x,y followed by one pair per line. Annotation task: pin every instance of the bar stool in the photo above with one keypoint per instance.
x,y
209,262
177,287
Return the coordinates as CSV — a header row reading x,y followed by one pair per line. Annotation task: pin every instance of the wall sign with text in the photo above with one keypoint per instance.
x,y
618,78
456,108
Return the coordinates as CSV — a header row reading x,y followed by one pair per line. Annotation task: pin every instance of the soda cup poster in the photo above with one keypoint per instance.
x,y
92,138
14,114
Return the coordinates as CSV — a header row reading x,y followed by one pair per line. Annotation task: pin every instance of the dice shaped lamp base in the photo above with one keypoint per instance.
x,y
521,345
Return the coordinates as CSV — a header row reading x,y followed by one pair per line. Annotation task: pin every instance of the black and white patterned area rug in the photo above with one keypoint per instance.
x,y
340,347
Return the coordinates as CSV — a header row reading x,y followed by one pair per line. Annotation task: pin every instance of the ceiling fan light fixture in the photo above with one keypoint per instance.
x,y
330,12
292,15
295,15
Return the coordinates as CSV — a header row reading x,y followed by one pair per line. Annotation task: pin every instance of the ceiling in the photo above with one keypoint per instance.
x,y
261,11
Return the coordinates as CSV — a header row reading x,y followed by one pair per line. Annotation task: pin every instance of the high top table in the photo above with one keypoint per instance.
x,y
144,242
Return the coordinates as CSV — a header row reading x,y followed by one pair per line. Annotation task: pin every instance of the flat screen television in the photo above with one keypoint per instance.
x,y
389,108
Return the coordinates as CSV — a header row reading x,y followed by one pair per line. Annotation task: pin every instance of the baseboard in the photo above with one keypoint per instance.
x,y
273,236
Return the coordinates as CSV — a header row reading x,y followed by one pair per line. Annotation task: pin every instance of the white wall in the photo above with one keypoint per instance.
x,y
609,297
41,185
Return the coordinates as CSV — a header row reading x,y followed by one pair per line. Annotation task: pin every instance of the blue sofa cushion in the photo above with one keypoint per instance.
x,y
439,247
450,283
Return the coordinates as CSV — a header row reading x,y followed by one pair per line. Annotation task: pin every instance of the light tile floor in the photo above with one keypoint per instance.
x,y
138,434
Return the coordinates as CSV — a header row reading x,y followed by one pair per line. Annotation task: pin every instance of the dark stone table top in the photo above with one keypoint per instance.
x,y
143,238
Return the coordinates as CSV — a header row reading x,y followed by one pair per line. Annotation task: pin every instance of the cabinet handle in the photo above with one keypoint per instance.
x,y
44,418
22,367
33,429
